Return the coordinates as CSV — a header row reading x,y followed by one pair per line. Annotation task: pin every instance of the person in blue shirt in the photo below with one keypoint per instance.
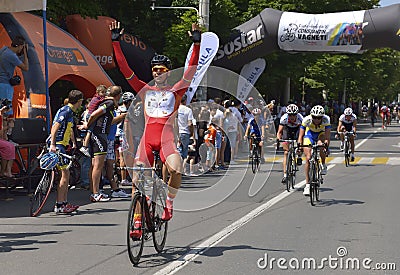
x,y
9,60
60,136
256,127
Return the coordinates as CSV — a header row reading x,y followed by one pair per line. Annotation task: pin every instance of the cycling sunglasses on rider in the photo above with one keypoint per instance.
x,y
159,68
317,117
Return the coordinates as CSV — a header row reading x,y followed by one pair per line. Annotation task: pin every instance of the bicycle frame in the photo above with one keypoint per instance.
x,y
347,147
291,165
315,177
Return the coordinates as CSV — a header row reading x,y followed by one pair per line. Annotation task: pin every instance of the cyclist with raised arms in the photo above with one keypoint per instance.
x,y
161,103
289,126
315,128
347,123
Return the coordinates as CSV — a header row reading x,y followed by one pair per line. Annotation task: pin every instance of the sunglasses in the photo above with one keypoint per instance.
x,y
317,117
161,69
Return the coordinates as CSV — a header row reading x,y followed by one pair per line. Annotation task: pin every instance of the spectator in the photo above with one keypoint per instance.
x,y
102,119
101,91
60,137
9,59
185,125
7,149
127,99
231,129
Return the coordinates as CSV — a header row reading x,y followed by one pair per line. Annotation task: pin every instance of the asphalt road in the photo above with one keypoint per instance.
x,y
230,223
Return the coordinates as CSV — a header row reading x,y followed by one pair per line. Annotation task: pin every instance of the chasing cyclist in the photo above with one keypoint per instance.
x,y
385,115
256,128
161,103
347,123
315,128
289,126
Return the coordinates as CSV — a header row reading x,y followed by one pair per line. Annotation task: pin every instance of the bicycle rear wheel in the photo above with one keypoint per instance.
x,y
42,192
156,210
135,245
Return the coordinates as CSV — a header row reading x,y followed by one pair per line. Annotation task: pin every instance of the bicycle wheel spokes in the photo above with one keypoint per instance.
x,y
42,192
135,244
293,168
156,210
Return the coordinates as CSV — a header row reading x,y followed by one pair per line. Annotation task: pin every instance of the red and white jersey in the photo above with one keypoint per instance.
x,y
295,122
346,120
385,109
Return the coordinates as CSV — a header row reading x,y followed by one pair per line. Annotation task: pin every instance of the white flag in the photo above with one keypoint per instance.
x,y
248,77
21,5
208,49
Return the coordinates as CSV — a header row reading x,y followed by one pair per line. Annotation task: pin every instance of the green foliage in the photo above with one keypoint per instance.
x,y
373,74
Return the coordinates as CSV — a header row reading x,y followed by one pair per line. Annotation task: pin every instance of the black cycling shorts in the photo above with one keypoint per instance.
x,y
98,143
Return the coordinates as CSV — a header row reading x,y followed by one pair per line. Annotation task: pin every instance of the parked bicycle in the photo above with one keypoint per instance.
x,y
315,176
47,182
291,164
149,209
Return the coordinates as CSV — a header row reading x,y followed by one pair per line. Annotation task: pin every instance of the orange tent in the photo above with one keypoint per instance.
x,y
68,60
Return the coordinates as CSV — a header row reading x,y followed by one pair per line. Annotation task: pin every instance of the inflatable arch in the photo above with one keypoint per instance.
x,y
67,60
88,31
342,32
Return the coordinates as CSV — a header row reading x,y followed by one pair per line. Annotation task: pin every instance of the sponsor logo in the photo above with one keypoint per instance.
x,y
249,82
204,59
134,41
241,43
104,59
67,56
304,32
96,139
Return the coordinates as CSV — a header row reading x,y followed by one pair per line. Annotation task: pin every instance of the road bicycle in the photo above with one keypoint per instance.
x,y
255,154
291,164
47,182
346,147
385,122
315,176
150,210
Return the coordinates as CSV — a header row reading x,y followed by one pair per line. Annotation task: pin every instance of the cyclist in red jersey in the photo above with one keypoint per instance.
x,y
385,112
161,103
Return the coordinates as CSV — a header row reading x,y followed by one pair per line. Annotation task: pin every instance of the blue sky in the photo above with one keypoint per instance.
x,y
389,2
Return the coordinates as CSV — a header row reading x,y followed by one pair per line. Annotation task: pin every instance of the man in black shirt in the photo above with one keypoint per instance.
x,y
102,118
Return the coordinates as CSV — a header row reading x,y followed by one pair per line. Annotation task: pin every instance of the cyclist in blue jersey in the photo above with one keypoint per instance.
x,y
61,135
315,128
256,127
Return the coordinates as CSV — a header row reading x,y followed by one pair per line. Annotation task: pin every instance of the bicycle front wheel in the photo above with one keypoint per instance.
x,y
288,172
42,192
346,154
135,244
254,161
293,170
156,210
312,182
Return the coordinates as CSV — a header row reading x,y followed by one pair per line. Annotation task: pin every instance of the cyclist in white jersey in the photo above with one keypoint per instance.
x,y
347,123
289,126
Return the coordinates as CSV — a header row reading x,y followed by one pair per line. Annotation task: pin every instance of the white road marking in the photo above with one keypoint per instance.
x,y
197,251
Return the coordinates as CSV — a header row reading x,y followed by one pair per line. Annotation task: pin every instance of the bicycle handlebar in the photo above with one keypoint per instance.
x,y
313,146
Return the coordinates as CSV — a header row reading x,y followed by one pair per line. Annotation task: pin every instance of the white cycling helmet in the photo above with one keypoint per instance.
x,y
348,112
127,96
317,110
292,109
256,111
